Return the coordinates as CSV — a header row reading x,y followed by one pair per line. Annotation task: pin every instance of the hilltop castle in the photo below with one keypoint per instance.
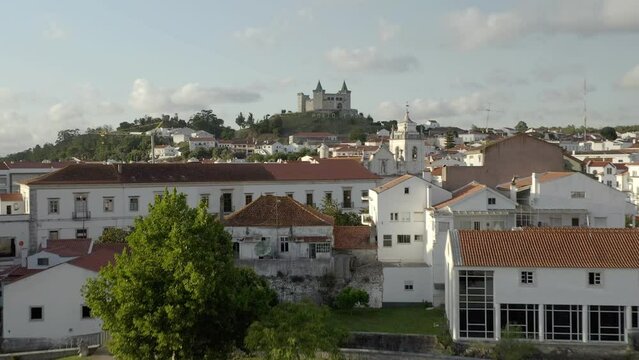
x,y
323,102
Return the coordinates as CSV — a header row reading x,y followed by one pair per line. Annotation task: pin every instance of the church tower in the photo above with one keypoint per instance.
x,y
407,146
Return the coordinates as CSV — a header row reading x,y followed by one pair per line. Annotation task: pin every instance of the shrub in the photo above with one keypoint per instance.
x,y
512,347
349,297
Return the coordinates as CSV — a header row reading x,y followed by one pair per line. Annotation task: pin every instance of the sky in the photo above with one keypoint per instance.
x,y
76,64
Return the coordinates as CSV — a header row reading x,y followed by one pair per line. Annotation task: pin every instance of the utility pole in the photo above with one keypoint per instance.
x,y
585,115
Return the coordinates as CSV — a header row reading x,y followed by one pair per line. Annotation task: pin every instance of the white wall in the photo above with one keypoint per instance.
x,y
396,277
58,291
272,234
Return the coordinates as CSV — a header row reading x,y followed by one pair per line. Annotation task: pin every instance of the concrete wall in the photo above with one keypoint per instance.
x,y
520,154
395,278
57,290
280,267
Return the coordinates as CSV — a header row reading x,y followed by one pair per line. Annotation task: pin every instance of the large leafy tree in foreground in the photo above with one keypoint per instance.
x,y
175,293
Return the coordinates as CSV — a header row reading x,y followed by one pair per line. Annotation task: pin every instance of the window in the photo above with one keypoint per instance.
x,y
406,190
522,220
309,199
81,233
476,308
236,250
248,198
578,194
54,206
86,312
289,194
403,239
394,216
134,203
606,323
492,201
527,278
594,278
563,322
635,317
388,240
43,261
408,285
575,221
609,171
328,195
204,199
609,183
53,235
476,225
364,195
107,204
36,313
283,243
419,237
521,320
227,202
348,200
323,247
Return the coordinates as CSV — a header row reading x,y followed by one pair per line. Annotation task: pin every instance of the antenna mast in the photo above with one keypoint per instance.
x,y
585,115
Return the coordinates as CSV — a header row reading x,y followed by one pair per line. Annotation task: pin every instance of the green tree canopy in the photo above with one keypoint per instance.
x,y
175,291
608,133
521,127
113,235
450,140
293,331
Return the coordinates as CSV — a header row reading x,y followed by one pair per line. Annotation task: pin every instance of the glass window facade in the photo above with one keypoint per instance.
x,y
476,308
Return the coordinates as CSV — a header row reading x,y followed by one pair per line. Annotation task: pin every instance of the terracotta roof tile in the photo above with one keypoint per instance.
x,y
597,163
11,197
68,248
437,171
277,211
101,255
326,169
352,238
391,184
462,193
525,182
550,248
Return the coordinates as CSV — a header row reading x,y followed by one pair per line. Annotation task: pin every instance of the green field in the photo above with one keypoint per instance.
x,y
406,320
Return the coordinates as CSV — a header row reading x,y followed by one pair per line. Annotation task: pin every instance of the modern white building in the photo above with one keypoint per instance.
x,y
80,201
559,285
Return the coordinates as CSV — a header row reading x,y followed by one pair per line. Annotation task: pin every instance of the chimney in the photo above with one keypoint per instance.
x,y
535,183
513,189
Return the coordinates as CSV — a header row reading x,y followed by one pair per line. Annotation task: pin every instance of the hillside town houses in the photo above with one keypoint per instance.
x,y
458,228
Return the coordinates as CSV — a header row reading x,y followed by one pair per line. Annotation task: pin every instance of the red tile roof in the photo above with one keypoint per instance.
x,y
68,248
11,197
549,248
277,211
313,134
37,165
352,238
437,171
462,193
391,184
325,169
525,182
597,163
101,255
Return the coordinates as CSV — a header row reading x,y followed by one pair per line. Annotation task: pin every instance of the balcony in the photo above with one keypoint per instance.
x,y
81,215
347,205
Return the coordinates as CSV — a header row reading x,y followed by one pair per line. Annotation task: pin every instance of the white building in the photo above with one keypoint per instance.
x,y
181,134
278,227
43,305
12,173
79,201
165,151
207,142
396,214
573,285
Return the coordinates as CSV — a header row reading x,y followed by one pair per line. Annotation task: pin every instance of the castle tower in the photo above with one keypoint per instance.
x,y
346,96
318,96
407,145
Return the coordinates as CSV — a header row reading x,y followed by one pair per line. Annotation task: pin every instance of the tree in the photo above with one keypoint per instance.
x,y
294,331
113,235
201,153
175,292
521,127
250,121
331,208
357,135
240,120
608,133
349,297
450,140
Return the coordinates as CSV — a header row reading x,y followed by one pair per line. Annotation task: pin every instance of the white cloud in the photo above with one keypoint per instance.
x,y
432,108
306,14
474,28
387,31
192,96
369,59
16,131
64,111
54,31
256,35
630,79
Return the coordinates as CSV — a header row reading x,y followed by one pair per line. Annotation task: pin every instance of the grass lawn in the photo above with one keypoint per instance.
x,y
407,320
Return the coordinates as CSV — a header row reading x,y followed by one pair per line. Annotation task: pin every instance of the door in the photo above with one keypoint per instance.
x,y
8,209
311,251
